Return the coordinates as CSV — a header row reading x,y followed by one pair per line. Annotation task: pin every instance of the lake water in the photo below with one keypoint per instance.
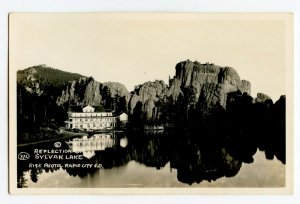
x,y
153,159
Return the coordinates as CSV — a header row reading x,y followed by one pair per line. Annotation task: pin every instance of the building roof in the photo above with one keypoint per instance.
x,y
78,109
88,107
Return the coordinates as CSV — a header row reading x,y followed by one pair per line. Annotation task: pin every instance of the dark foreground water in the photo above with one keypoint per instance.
x,y
151,159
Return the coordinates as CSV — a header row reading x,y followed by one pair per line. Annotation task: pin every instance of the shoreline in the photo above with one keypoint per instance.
x,y
65,135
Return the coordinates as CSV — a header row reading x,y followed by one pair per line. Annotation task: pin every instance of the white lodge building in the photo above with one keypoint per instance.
x,y
90,118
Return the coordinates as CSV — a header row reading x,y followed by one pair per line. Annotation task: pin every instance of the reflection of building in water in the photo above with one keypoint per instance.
x,y
88,146
124,142
90,118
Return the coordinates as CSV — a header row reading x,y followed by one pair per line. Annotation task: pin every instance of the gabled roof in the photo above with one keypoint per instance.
x,y
78,109
88,107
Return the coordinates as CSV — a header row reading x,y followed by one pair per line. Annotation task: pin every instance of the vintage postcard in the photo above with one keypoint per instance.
x,y
150,103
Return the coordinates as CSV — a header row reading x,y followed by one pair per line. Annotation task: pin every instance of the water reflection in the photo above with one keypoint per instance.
x,y
88,145
194,157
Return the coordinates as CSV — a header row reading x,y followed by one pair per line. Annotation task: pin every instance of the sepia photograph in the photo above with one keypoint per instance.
x,y
150,103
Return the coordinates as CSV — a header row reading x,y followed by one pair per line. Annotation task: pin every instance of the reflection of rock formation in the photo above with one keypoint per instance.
x,y
209,164
194,161
149,148
198,160
196,155
88,146
255,123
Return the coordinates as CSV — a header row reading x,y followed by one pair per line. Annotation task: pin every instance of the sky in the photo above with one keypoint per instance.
x,y
135,48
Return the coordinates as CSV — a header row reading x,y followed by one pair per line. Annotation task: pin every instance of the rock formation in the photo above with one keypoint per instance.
x,y
92,94
115,88
210,82
148,94
67,94
87,91
193,83
261,98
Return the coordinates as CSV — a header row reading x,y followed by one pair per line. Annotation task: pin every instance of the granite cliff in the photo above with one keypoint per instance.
x,y
208,82
192,84
87,91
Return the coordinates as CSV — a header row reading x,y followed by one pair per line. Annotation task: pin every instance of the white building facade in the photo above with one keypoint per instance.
x,y
90,119
122,120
